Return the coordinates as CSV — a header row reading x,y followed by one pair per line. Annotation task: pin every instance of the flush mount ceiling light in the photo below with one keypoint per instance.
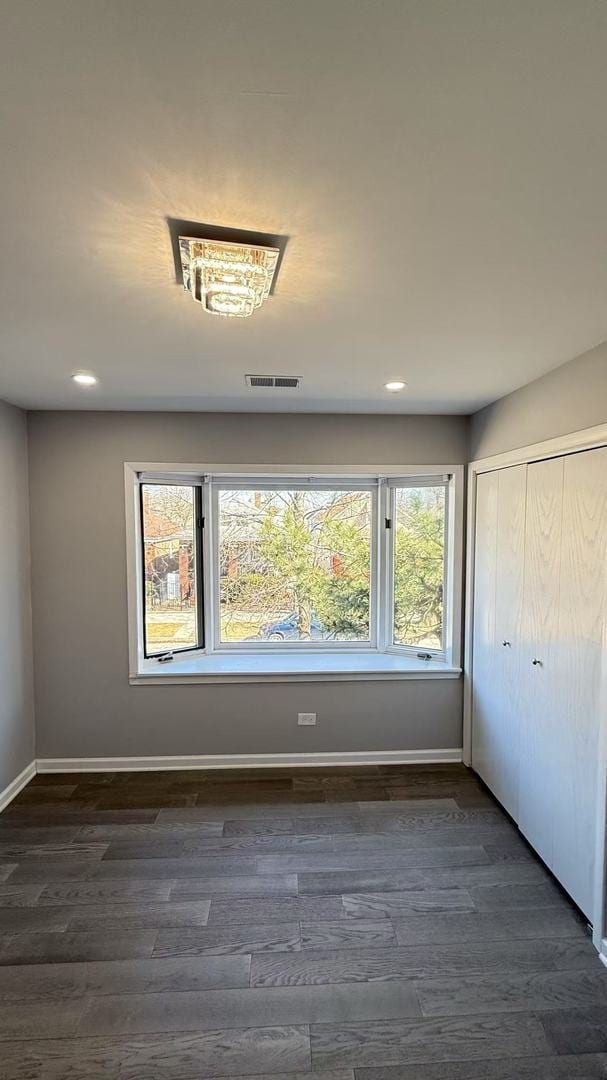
x,y
394,386
83,379
227,279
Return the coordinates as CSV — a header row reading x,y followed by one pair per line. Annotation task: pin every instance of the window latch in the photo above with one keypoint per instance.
x,y
388,523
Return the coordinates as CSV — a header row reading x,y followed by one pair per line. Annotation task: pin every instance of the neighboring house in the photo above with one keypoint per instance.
x,y
241,522
169,561
241,550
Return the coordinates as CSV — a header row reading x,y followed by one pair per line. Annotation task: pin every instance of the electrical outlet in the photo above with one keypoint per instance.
x,y
306,718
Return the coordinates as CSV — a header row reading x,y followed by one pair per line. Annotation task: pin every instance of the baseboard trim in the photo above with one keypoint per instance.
x,y
16,785
249,761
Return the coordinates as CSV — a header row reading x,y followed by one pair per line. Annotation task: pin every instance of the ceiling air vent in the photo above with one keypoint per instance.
x,y
273,382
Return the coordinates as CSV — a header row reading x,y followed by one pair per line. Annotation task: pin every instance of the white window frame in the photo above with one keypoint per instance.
x,y
200,616
381,482
391,486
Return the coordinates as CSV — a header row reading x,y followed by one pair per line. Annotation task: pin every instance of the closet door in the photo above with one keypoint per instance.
x,y
485,706
510,561
498,601
540,656
582,608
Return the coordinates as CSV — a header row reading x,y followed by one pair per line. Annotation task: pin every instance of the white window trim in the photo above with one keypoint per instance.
x,y
382,480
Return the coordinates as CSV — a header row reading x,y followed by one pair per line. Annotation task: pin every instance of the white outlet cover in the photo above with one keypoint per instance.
x,y
305,718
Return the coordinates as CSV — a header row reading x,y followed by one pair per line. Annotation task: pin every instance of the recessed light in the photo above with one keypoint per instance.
x,y
395,385
84,380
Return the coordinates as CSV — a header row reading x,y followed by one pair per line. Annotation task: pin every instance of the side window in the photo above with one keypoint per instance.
x,y
419,565
172,593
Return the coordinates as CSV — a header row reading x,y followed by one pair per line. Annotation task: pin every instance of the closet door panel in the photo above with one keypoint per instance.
x,y
539,693
579,670
510,559
484,686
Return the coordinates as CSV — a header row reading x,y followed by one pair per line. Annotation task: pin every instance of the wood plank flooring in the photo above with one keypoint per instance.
x,y
379,923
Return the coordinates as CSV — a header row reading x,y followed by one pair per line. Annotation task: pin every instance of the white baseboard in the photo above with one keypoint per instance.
x,y
249,761
17,784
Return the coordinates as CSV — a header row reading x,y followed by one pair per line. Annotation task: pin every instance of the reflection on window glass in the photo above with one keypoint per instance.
x,y
419,558
169,565
294,565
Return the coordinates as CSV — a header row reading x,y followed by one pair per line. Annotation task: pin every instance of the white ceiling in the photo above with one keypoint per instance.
x,y
440,167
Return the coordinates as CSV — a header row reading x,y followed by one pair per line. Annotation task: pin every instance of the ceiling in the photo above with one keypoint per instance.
x,y
439,167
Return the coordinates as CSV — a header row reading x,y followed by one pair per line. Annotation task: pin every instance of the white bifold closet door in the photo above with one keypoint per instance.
x,y
580,656
540,622
540,653
498,609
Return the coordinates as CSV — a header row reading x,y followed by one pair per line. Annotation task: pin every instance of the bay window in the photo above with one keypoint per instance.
x,y
291,565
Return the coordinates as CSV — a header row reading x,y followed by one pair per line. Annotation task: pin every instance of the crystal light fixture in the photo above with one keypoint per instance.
x,y
227,279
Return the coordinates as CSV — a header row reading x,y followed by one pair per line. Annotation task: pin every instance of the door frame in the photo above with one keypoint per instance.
x,y
574,442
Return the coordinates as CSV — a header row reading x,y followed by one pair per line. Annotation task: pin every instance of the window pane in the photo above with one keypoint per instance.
x,y
169,553
294,565
419,559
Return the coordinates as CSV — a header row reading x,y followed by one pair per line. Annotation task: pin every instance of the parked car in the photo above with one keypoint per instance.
x,y
287,629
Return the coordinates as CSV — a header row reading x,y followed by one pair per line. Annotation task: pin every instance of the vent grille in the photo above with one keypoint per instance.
x,y
273,382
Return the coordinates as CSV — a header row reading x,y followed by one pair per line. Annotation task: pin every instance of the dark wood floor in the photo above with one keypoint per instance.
x,y
387,922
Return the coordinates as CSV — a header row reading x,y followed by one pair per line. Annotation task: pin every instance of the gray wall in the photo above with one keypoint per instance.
x,y
570,398
85,706
16,674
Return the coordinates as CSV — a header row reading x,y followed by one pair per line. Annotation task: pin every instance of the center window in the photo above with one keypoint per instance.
x,y
294,565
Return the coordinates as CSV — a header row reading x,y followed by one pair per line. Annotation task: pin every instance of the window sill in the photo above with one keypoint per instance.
x,y
291,667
